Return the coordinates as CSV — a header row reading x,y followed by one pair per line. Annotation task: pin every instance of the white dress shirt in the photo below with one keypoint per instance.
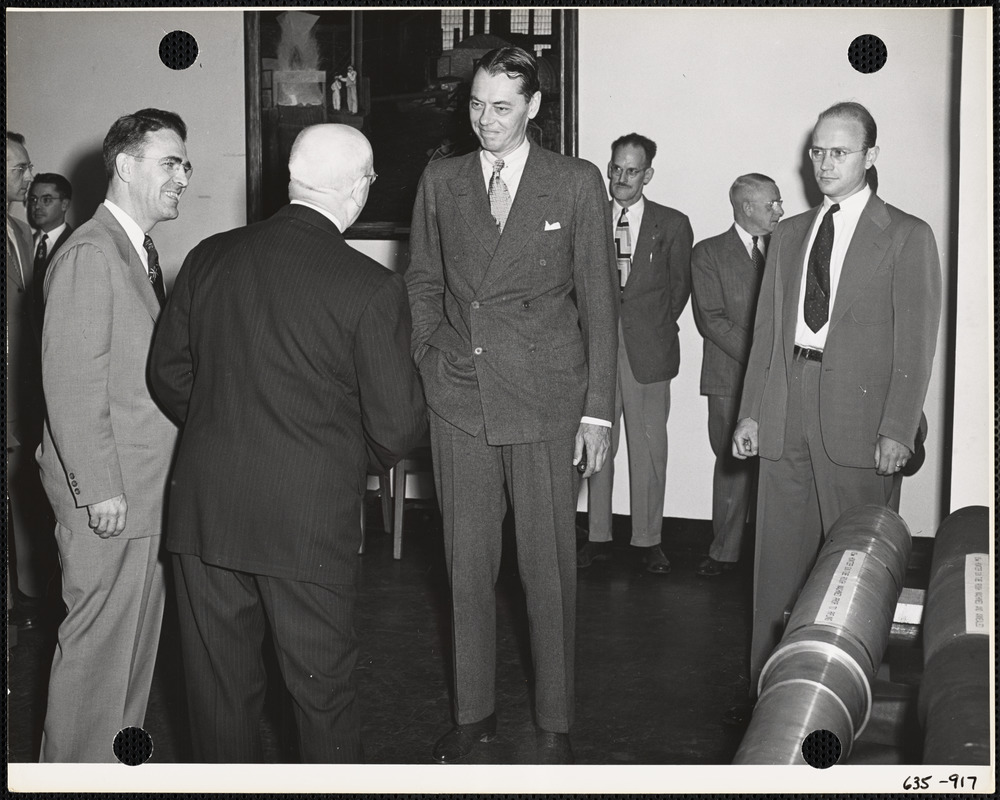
x,y
53,237
513,167
323,211
747,239
12,239
845,221
634,218
135,234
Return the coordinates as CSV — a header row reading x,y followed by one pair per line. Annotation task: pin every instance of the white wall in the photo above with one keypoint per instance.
x,y
729,91
722,91
70,74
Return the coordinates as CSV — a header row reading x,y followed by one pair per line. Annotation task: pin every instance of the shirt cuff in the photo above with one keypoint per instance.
x,y
594,421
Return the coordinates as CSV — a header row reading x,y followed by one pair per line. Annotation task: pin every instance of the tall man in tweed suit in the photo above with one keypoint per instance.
x,y
653,249
107,446
726,272
843,345
514,333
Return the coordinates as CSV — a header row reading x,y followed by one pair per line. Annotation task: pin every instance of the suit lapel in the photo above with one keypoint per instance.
x,y
649,232
538,183
469,191
14,262
791,274
135,272
738,255
865,253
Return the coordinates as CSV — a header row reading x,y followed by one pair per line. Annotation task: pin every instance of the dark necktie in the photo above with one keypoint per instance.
x,y
817,306
155,276
41,253
623,248
499,196
757,256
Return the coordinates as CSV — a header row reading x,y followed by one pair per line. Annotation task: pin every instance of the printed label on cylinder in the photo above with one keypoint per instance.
x,y
843,586
977,601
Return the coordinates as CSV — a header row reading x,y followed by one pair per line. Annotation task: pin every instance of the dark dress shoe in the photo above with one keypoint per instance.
x,y
554,748
739,715
655,561
710,568
459,741
591,552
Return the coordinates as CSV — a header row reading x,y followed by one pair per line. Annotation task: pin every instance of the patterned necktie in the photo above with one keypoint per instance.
x,y
757,256
499,196
817,306
155,276
623,248
41,253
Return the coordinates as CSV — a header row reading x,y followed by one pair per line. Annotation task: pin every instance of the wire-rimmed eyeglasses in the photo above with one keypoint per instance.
x,y
837,154
171,164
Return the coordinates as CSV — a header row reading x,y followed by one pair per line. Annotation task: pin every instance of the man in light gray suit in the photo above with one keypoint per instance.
x,y
843,345
726,271
107,447
515,335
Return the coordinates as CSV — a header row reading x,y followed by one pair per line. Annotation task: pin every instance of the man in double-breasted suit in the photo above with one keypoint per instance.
x,y
285,354
653,253
726,271
514,334
29,521
107,447
48,201
842,350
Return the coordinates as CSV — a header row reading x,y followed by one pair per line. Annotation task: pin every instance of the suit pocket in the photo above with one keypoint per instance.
x,y
874,305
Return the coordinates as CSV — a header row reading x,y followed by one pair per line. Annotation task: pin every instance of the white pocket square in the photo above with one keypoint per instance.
x,y
552,226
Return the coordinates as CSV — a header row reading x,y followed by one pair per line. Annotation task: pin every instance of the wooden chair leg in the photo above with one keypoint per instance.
x,y
399,496
384,486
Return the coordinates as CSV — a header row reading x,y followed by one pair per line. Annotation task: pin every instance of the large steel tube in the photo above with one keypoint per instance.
x,y
954,703
819,676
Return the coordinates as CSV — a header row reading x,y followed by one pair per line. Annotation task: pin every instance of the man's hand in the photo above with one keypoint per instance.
x,y
594,441
745,438
890,456
107,518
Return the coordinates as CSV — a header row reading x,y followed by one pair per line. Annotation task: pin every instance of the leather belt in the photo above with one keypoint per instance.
x,y
811,355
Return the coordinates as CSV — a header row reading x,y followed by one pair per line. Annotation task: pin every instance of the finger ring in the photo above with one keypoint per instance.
x,y
899,464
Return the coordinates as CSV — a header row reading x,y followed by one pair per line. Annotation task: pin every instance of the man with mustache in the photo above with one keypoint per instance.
x,y
107,446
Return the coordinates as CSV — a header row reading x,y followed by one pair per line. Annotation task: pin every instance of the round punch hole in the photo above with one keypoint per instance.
x,y
178,50
867,53
133,746
821,749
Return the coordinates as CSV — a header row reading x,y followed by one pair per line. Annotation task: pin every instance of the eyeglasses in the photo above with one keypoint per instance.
x,y
45,200
631,173
22,168
770,205
372,178
837,154
171,164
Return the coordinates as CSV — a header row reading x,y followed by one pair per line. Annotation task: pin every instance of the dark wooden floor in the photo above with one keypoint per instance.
x,y
659,659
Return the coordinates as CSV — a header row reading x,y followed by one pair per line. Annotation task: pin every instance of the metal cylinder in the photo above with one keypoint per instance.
x,y
819,677
954,703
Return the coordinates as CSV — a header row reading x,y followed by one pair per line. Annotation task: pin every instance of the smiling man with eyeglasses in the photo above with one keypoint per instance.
x,y
107,446
653,255
842,351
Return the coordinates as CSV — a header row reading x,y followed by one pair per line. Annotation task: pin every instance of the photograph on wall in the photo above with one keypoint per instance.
x,y
400,77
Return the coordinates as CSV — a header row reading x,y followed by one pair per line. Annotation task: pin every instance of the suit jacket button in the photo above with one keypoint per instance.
x,y
475,304
478,351
525,304
76,491
71,475
541,262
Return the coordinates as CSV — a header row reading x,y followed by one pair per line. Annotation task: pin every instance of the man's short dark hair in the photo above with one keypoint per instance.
x,y
63,186
856,112
128,134
516,64
748,184
15,137
636,140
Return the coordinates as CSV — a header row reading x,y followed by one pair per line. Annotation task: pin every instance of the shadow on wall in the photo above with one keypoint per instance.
x,y
89,183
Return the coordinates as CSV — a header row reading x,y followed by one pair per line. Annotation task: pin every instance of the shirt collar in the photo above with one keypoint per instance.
x,y
634,211
747,238
852,204
132,230
323,211
53,234
514,160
